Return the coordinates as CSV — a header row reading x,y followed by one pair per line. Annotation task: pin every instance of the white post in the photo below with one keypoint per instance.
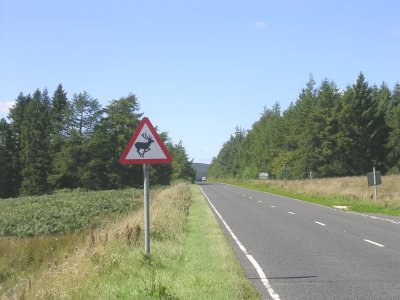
x,y
146,208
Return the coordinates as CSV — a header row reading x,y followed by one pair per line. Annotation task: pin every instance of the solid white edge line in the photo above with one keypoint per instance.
x,y
374,243
255,264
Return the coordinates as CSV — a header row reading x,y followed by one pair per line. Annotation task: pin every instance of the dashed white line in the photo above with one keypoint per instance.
x,y
290,212
319,223
272,206
255,264
259,201
374,243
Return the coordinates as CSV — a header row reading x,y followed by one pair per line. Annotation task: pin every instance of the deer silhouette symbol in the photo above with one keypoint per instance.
x,y
144,145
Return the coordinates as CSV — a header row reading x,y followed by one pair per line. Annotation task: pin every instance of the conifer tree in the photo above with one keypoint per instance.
x,y
35,145
393,144
298,125
86,114
8,176
16,116
181,166
60,112
324,159
113,133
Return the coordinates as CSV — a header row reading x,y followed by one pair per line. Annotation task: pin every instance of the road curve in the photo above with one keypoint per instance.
x,y
292,249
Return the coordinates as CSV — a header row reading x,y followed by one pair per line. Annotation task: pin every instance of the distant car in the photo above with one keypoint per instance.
x,y
203,179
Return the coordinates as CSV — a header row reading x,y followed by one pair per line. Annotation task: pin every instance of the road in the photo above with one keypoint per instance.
x,y
292,249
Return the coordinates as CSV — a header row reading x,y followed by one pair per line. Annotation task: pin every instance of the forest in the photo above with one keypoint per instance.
x,y
326,132
53,143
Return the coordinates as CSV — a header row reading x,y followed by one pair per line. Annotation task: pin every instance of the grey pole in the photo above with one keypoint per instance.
x,y
375,195
146,208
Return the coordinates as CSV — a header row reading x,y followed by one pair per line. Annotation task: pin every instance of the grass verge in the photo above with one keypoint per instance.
x,y
351,201
208,267
190,258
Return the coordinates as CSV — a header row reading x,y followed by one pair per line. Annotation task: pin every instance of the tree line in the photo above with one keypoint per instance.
x,y
326,131
53,143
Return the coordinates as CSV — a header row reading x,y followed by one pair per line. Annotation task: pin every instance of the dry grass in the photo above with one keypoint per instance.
x,y
346,187
84,256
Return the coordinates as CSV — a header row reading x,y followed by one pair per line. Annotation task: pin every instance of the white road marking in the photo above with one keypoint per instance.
x,y
292,213
255,264
272,206
250,197
259,201
319,223
375,218
374,243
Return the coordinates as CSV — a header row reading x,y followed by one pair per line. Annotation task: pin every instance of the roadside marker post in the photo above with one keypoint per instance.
x,y
374,179
145,147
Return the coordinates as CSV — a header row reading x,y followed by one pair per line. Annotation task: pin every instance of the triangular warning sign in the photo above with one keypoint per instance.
x,y
145,147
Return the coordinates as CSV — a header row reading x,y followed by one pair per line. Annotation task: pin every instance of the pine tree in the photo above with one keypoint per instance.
x,y
60,112
361,130
393,122
60,119
395,98
70,162
181,166
86,114
16,116
298,127
8,175
324,159
114,132
224,165
393,144
35,145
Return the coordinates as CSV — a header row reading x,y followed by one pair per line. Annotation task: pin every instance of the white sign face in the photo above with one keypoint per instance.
x,y
145,147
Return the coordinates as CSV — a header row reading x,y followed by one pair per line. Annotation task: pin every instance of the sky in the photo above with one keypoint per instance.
x,y
198,68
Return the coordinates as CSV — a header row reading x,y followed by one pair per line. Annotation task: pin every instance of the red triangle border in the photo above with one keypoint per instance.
x,y
125,161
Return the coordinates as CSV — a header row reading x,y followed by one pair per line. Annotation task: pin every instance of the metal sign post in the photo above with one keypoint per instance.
x,y
376,192
374,179
146,208
145,147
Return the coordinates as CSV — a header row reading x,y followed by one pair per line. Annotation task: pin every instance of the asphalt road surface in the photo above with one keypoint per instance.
x,y
291,249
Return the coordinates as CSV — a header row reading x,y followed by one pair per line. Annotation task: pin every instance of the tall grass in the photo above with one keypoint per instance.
x,y
351,191
109,263
73,212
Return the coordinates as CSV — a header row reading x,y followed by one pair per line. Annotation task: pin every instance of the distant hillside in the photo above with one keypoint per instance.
x,y
201,169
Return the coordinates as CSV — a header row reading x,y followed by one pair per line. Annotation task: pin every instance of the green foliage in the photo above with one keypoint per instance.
x,y
35,145
326,131
224,164
181,166
394,137
86,114
7,170
53,144
64,211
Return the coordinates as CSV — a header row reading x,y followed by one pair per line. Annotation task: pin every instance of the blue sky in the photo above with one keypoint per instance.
x,y
198,68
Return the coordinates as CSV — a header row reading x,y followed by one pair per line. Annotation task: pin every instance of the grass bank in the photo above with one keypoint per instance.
x,y
345,191
190,258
